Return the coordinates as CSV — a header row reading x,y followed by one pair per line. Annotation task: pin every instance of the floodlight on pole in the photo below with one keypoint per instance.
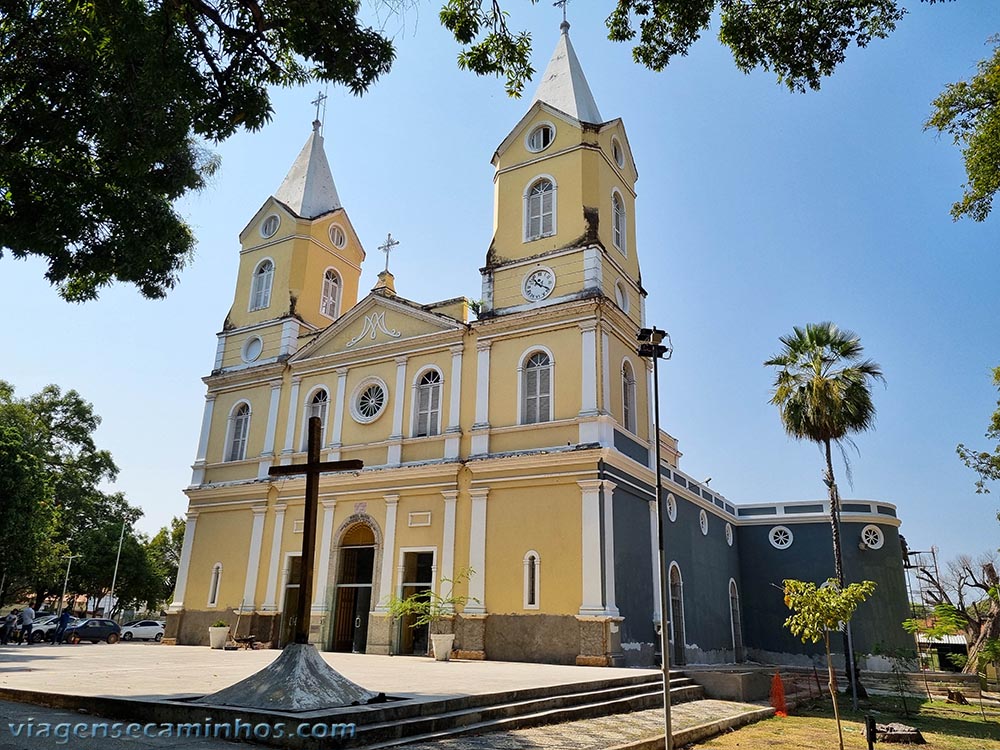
x,y
69,563
652,347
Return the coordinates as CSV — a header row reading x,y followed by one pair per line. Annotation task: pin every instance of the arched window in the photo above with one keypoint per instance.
x,y
331,294
260,291
540,219
735,618
428,404
618,220
677,615
239,428
316,407
628,397
213,585
532,566
537,389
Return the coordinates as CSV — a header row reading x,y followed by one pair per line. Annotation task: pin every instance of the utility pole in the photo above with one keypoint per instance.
x,y
69,563
114,579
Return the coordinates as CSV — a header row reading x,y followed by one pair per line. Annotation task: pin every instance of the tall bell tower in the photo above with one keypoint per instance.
x,y
564,201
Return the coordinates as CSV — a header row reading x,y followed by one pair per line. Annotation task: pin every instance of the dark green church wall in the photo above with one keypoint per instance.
x,y
810,558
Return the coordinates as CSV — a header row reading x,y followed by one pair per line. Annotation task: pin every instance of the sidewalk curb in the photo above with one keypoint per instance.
x,y
701,731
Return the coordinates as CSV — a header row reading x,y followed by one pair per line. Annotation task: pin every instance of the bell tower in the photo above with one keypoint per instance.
x,y
564,200
300,265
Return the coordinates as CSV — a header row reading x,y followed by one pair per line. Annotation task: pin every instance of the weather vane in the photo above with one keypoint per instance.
x,y
561,4
388,247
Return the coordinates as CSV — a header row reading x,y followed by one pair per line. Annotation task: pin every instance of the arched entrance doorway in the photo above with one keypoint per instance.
x,y
355,572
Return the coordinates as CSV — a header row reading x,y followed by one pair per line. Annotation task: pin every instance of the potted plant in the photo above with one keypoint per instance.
x,y
218,634
428,607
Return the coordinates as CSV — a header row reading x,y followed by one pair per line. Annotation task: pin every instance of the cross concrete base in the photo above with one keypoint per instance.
x,y
298,680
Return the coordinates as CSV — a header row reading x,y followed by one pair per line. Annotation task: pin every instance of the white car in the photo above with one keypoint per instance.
x,y
143,630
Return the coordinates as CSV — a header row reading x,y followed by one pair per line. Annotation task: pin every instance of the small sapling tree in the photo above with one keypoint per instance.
x,y
817,610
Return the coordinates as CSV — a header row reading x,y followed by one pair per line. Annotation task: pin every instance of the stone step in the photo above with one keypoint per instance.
x,y
500,716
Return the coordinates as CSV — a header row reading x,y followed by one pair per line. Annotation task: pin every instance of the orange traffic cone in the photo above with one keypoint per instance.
x,y
778,696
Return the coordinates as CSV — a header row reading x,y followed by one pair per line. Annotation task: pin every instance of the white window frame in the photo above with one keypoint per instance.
x,y
629,387
323,297
621,297
670,605
324,417
214,585
231,432
333,239
433,428
880,534
619,229
401,566
528,237
703,522
263,225
538,126
246,348
616,145
256,291
671,507
770,537
730,535
735,616
356,394
521,376
532,565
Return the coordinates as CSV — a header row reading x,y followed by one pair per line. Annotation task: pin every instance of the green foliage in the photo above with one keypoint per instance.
x,y
958,660
105,109
499,52
944,619
220,624
164,555
969,111
819,609
987,465
428,606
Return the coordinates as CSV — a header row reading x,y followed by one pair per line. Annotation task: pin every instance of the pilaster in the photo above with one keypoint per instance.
x,y
453,432
274,565
388,554
184,564
339,406
477,553
590,563
608,492
293,409
267,457
323,568
253,561
396,438
481,427
198,473
448,538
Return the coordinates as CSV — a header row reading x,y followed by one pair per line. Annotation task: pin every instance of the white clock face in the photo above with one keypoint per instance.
x,y
538,284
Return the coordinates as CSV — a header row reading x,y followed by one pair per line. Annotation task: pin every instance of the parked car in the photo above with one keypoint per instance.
x,y
94,629
44,629
143,630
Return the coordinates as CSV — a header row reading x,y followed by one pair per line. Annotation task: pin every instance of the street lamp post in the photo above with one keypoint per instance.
x,y
69,563
651,347
114,578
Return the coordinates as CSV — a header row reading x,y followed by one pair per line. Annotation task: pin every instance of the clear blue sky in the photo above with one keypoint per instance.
x,y
758,210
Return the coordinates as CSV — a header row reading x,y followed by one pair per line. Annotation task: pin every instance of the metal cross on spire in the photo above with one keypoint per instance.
x,y
320,101
561,4
389,245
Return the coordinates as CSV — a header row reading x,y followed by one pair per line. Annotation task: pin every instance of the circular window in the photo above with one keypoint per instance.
x,y
369,401
252,348
337,236
621,296
781,537
729,534
269,226
617,152
872,537
541,137
671,507
703,522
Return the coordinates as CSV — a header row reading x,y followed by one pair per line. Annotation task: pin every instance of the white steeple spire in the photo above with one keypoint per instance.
x,y
308,189
564,85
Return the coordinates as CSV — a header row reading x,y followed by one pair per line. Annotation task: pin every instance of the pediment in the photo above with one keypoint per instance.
x,y
529,116
377,321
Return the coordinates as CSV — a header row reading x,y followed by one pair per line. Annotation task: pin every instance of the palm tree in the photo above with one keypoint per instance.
x,y
823,392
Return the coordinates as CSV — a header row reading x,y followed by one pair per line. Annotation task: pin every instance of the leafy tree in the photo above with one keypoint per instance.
x,y
164,553
987,465
969,111
819,609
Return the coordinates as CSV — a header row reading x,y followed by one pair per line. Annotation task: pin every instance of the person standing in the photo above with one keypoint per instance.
x,y
61,627
12,620
27,621
6,625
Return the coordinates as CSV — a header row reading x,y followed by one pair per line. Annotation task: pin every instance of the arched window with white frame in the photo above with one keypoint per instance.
x,y
532,587
330,301
618,221
213,585
540,209
628,397
536,389
260,290
677,615
317,405
736,621
428,404
239,430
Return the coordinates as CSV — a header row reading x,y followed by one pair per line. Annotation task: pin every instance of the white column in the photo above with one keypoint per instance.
x,y
198,474
220,351
388,554
605,373
267,457
590,558
448,540
477,553
396,438
338,415
270,597
323,570
654,556
185,562
293,410
454,430
481,441
588,368
253,561
610,608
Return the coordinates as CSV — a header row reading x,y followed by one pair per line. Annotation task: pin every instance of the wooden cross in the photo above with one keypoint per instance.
x,y
389,245
312,468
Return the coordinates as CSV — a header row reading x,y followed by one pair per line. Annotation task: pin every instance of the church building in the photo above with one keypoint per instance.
x,y
509,447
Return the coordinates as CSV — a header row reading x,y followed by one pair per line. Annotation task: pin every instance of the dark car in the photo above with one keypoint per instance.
x,y
94,629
